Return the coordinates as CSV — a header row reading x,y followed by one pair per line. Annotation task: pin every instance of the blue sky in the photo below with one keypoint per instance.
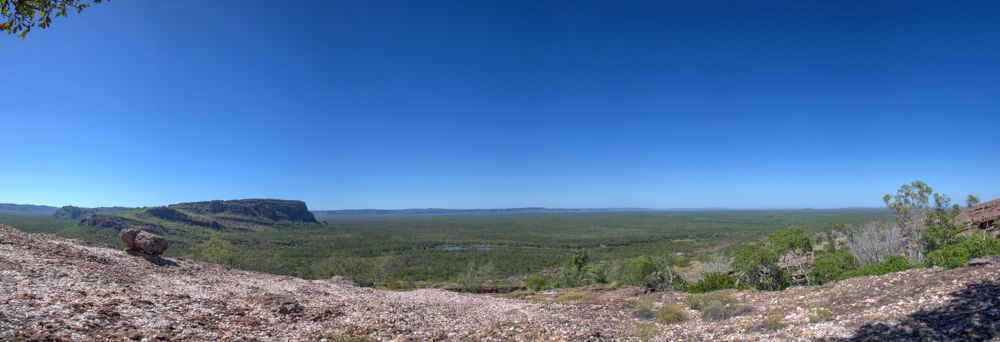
x,y
472,104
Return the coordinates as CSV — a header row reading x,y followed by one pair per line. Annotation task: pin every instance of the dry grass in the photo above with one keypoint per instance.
x,y
670,314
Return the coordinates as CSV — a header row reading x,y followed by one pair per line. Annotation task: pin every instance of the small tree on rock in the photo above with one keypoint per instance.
x,y
792,242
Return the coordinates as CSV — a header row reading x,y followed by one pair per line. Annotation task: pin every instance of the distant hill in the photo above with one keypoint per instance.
x,y
437,211
26,209
207,216
73,212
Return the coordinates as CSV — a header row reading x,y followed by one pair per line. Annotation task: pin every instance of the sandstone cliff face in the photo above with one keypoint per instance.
x,y
272,209
171,214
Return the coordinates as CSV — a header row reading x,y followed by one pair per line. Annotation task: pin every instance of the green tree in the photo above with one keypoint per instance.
x,y
758,267
792,242
941,228
19,16
636,271
831,266
971,200
910,205
579,260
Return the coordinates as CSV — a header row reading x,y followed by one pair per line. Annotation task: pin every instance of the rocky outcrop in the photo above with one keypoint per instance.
x,y
270,209
119,223
141,241
984,217
72,212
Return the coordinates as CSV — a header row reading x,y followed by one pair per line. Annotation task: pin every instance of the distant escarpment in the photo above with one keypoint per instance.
x,y
72,212
271,209
120,223
171,214
207,217
26,209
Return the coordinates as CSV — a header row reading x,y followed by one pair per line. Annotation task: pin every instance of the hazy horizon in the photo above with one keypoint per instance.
x,y
458,104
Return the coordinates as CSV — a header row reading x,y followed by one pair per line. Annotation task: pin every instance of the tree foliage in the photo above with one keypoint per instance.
x,y
19,16
910,205
971,200
958,253
758,267
793,242
831,266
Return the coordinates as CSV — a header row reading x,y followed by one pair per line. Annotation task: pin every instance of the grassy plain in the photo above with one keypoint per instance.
x,y
402,250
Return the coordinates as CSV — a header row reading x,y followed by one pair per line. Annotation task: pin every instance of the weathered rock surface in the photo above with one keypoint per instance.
x,y
984,217
53,288
143,241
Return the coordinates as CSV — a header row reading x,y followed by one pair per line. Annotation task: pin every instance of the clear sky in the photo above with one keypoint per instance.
x,y
480,104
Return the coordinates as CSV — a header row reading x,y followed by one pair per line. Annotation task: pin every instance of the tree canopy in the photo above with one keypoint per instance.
x,y
19,16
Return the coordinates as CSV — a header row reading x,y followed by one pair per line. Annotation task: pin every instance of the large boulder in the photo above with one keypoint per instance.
x,y
143,241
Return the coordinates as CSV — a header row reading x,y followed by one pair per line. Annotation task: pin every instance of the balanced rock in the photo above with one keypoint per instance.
x,y
143,241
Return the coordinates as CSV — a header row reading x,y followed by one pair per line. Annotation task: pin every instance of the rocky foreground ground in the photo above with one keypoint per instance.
x,y
53,288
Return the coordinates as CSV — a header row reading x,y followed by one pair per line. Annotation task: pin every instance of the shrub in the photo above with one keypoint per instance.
x,y
670,314
699,301
712,282
958,253
535,282
636,271
717,306
820,315
773,322
596,274
938,235
646,332
717,311
832,266
891,264
758,266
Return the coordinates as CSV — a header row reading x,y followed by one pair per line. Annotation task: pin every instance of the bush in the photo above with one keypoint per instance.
x,y
958,253
832,266
717,306
699,301
646,332
758,266
773,322
820,315
670,314
938,235
716,311
636,271
535,282
712,282
891,264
